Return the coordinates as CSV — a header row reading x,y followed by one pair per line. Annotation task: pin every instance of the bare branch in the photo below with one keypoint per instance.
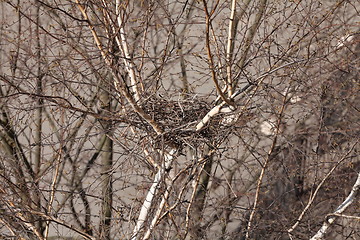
x,y
168,159
264,168
210,57
341,208
234,19
314,195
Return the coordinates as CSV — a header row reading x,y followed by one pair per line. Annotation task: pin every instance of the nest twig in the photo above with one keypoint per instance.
x,y
178,119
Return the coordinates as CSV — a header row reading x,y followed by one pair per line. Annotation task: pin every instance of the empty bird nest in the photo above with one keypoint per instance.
x,y
178,118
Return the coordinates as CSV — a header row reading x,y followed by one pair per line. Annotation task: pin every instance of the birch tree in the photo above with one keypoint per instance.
x,y
157,119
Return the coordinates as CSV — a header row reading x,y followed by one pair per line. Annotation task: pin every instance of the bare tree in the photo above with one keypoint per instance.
x,y
176,119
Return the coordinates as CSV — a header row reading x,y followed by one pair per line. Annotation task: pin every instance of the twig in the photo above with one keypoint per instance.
x,y
312,197
345,204
158,211
210,57
230,44
52,192
215,110
9,228
18,213
63,223
250,36
218,108
169,157
123,45
157,218
193,196
119,82
121,41
343,215
262,173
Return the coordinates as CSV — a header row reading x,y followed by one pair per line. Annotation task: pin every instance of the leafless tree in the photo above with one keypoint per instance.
x,y
157,119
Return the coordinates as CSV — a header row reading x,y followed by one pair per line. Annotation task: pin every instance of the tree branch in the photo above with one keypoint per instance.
x,y
169,157
210,57
341,208
313,196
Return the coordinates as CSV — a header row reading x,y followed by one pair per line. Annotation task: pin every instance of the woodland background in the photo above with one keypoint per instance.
x,y
179,119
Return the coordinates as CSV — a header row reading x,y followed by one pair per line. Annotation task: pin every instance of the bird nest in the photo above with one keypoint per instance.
x,y
178,119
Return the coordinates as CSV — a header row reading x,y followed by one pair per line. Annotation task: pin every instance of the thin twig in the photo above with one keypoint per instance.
x,y
63,223
52,191
218,108
250,36
345,204
264,167
119,82
123,45
210,57
158,211
19,214
169,157
193,195
313,196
